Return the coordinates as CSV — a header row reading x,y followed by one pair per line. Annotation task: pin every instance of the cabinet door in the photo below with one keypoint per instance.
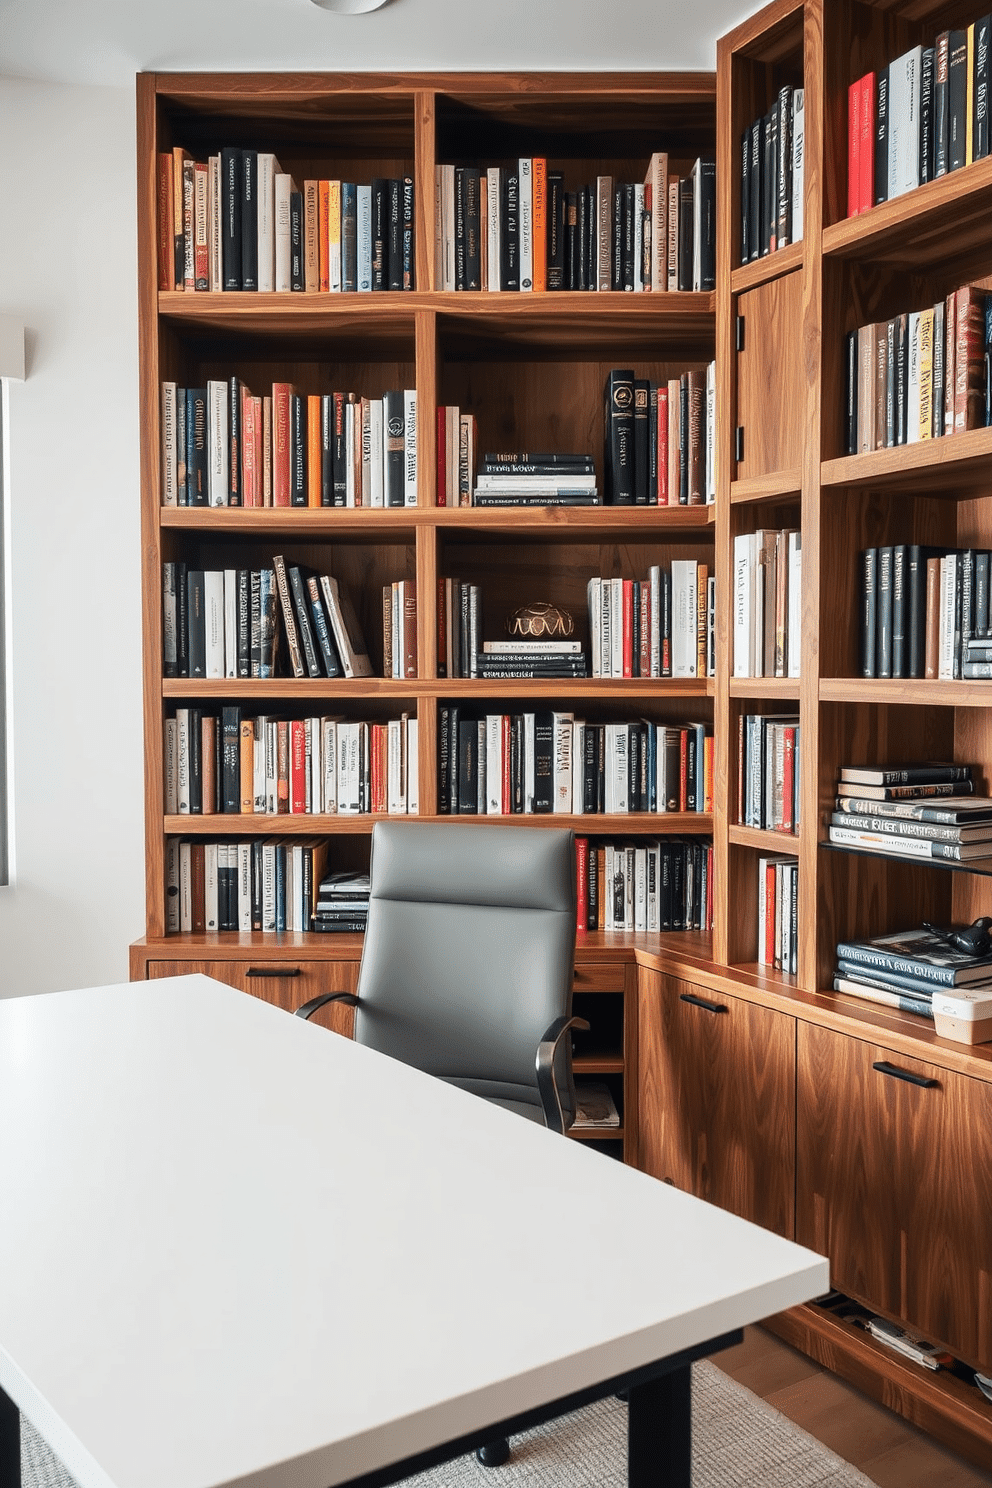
x,y
286,984
770,383
716,1092
895,1185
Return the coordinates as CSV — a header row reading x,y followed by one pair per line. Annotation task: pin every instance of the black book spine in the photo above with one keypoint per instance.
x,y
900,607
883,655
617,246
633,767
468,767
473,228
966,568
196,446
517,764
981,593
957,98
706,185
322,630
571,240
256,885
589,768
768,176
851,400
630,267
230,242
302,608
349,237
980,122
230,799
297,450
556,230
244,622
754,196
255,623
881,167
249,219
393,432
394,233
869,611
195,746
582,235
443,760
941,105
460,227
783,202
406,188
297,278
509,237
927,152
642,441
619,428
745,196
685,233
340,452
684,439
234,442
182,619
327,449
380,244
544,748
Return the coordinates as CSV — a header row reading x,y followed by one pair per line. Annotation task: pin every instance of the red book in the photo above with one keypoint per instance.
x,y
442,458
662,495
866,164
582,882
280,443
708,773
769,925
788,776
854,149
628,627
505,752
644,659
248,446
201,226
379,764
297,767
683,769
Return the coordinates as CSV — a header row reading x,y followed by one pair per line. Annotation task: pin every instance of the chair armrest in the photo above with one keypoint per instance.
x,y
547,1088
315,1003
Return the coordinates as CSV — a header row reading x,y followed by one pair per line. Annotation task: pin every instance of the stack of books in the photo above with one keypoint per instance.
x,y
905,969
526,478
913,811
772,157
595,1107
543,659
342,902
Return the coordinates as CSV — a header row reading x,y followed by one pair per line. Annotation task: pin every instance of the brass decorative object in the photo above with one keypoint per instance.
x,y
540,621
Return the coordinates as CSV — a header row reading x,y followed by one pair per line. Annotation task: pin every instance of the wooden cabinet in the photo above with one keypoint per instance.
x,y
894,1170
770,380
604,994
716,1077
286,984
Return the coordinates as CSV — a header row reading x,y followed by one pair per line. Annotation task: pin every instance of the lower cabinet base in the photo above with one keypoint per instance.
x,y
940,1404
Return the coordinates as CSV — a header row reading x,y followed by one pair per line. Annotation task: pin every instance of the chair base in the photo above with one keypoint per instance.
x,y
494,1453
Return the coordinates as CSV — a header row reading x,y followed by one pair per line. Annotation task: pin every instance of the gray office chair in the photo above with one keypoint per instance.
x,y
467,966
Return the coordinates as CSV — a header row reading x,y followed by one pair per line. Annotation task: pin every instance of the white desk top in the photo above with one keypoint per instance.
x,y
235,1248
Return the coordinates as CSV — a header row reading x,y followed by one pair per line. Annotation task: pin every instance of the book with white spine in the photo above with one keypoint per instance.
x,y
529,771
268,168
526,223
578,771
412,767
684,617
409,447
218,460
744,563
395,792
562,762
794,624
284,188
494,764
657,178
493,233
244,885
904,122
798,161
213,614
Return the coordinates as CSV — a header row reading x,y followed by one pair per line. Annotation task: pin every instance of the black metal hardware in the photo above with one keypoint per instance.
x,y
702,1002
739,333
273,971
884,1068
739,443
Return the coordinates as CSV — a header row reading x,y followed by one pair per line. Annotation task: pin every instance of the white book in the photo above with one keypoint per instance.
x,y
172,886
654,610
289,902
185,887
268,886
182,761
215,271
230,622
171,763
578,767
798,161
412,767
315,773
794,628
218,476
629,858
268,167
258,765
616,628
494,764
684,600
364,238
243,850
395,784
213,615
640,888
349,769
493,238
409,446
271,768
210,896
710,443
948,605
562,762
744,563
377,451
913,379
438,229
480,799
529,763
329,760
515,483
170,487
710,625
904,122
617,781
284,189
526,223
294,886
609,922
638,237
352,431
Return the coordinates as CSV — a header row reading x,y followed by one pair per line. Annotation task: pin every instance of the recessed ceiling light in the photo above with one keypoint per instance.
x,y
350,7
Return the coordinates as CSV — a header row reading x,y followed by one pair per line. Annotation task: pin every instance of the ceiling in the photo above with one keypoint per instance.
x,y
104,42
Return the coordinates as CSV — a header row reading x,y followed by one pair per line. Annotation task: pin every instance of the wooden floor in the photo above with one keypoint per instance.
x,y
887,1449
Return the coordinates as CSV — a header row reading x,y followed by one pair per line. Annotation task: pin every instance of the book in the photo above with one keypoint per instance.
x,y
918,953
345,629
885,996
932,773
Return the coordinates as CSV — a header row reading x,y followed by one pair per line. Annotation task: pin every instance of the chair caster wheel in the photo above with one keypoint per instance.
x,y
494,1453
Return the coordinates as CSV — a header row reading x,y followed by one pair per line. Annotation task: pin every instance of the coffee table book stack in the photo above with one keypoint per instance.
x,y
731,1078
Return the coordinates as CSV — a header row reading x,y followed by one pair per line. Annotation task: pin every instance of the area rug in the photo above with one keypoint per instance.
x,y
738,1442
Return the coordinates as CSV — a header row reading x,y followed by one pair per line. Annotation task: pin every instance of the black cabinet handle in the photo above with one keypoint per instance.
x,y
884,1068
273,971
710,1007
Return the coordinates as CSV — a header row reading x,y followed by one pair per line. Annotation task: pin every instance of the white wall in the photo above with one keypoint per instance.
x,y
67,269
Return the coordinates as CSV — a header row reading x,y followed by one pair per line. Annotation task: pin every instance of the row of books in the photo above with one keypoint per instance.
x,y
919,375
650,886
240,622
268,885
232,762
517,227
503,764
223,445
237,221
768,772
767,633
659,439
778,913
925,612
773,155
864,817
661,626
923,115
905,970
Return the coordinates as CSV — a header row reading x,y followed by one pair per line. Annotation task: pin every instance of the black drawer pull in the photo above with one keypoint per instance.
x,y
710,1007
884,1068
273,971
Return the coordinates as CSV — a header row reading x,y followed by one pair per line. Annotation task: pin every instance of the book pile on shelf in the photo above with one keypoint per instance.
x,y
651,886
768,772
920,375
516,227
268,885
767,603
237,221
661,626
773,156
908,969
595,1108
923,115
226,623
399,628
501,764
342,902
659,439
232,762
925,810
462,653
536,478
925,612
778,913
223,445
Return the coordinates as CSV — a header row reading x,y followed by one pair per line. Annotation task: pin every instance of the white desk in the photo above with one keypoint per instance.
x,y
235,1248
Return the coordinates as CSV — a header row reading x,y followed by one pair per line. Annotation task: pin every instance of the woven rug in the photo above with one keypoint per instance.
x,y
738,1442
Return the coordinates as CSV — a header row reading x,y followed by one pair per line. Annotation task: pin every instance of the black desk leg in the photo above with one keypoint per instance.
x,y
659,1432
10,1443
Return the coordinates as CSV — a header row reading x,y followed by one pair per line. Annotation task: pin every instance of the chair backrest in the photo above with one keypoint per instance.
x,y
469,952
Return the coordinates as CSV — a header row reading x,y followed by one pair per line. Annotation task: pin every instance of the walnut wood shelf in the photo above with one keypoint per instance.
x,y
784,688
917,229
309,824
924,692
777,843
777,485
956,465
783,261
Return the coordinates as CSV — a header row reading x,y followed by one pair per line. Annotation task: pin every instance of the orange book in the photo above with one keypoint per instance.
x,y
281,392
248,471
166,223
539,226
266,462
311,233
702,574
208,763
313,450
323,227
708,773
247,762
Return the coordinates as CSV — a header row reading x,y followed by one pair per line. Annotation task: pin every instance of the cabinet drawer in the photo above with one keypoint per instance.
x,y
599,976
286,984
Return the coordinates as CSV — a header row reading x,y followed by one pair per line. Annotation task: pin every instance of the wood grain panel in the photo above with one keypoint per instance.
x,y
285,984
892,1181
770,385
715,1099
